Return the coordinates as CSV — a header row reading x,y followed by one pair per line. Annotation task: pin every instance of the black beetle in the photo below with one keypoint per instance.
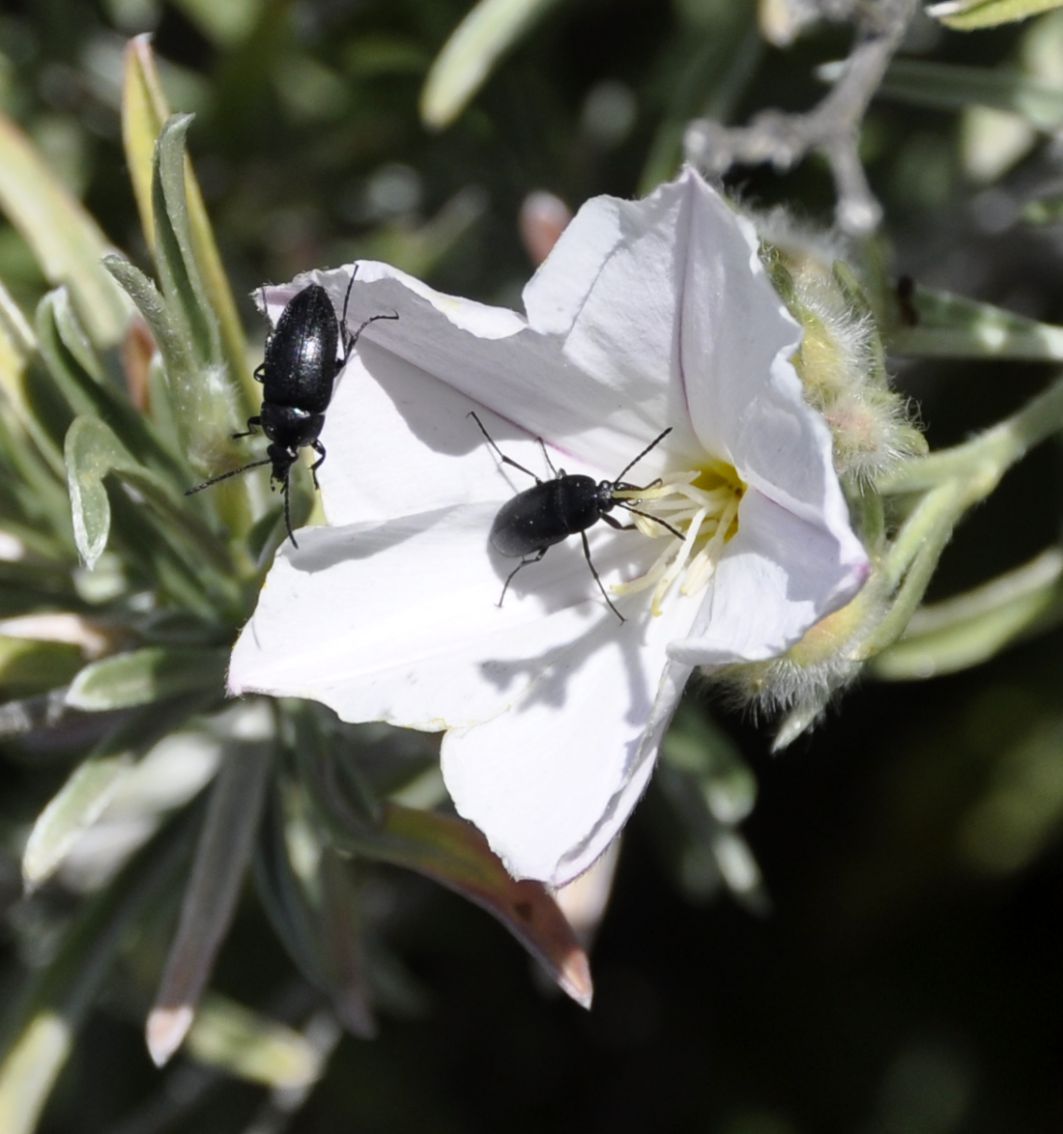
x,y
297,372
527,526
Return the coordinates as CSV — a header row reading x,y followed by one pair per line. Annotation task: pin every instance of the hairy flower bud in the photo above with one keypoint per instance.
x,y
841,361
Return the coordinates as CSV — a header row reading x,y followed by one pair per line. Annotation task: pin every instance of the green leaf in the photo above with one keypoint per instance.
x,y
93,453
973,627
311,901
144,110
199,420
77,373
175,256
92,785
222,855
1044,210
43,1028
708,790
249,1046
947,86
18,375
697,748
144,114
486,33
33,499
29,666
455,854
225,24
952,326
173,345
72,811
63,237
142,677
969,15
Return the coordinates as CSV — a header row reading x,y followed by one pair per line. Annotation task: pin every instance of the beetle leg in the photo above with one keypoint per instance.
x,y
502,456
347,297
288,508
319,448
597,578
523,563
546,456
613,522
251,430
259,373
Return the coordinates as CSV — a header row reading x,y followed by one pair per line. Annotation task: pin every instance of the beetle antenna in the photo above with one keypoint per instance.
x,y
371,319
226,475
287,508
347,297
646,515
652,445
349,340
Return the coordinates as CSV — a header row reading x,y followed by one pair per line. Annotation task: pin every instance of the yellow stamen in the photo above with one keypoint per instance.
x,y
702,504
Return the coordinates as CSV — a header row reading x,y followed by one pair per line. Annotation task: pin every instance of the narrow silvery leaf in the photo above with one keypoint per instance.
x,y
30,666
144,112
936,324
310,897
141,677
17,347
174,346
64,238
93,783
970,15
43,1027
75,368
76,806
222,856
696,747
482,37
703,850
94,453
1044,210
456,855
973,627
951,87
250,1046
175,256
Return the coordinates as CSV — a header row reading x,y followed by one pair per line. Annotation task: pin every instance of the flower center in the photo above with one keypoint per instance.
x,y
702,504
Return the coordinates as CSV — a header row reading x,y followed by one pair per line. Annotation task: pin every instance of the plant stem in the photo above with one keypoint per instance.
x,y
983,460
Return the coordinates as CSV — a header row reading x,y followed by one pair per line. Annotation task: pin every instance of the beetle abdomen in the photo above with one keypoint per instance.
x,y
300,362
548,513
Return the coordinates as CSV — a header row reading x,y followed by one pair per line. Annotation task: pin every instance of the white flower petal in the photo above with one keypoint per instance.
x,y
552,780
734,323
610,291
400,442
778,577
490,357
736,336
398,621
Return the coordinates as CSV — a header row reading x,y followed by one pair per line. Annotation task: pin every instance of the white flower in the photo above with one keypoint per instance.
x,y
646,315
